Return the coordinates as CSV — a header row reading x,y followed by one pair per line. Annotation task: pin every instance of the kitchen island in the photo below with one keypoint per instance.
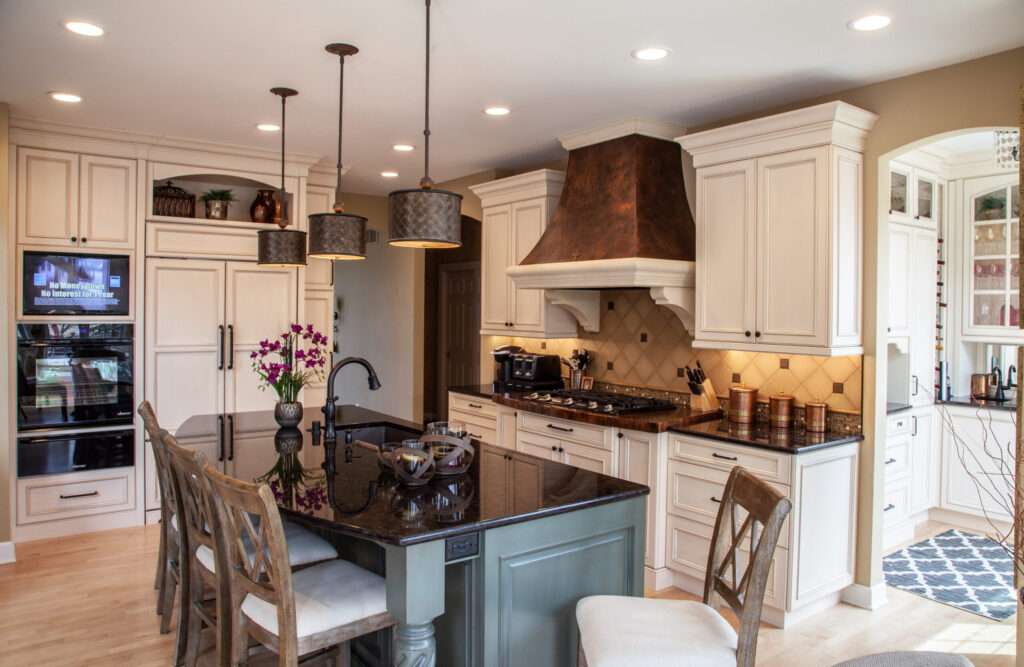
x,y
484,568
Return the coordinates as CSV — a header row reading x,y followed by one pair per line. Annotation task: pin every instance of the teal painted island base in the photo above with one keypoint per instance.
x,y
514,603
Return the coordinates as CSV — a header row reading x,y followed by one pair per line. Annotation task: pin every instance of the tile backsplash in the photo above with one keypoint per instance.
x,y
642,344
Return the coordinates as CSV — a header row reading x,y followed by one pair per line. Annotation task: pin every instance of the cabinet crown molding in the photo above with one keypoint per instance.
x,y
836,123
539,183
649,128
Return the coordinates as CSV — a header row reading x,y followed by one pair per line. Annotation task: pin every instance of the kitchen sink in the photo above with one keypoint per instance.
x,y
377,434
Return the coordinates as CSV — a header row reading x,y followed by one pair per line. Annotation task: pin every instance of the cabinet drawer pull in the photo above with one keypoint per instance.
x,y
79,495
723,456
747,334
230,351
913,432
220,347
559,428
715,500
889,461
476,405
475,435
888,507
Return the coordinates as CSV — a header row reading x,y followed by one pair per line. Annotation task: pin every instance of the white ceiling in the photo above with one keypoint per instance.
x,y
201,69
960,144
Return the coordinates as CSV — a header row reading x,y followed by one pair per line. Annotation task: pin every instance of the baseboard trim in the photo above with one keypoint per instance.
x,y
657,579
6,553
966,521
865,597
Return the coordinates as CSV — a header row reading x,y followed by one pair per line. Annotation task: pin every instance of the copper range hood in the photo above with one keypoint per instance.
x,y
622,222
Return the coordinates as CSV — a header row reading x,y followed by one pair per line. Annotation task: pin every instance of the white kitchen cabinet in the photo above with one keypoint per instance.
x,y
643,462
203,318
72,200
913,195
779,232
924,482
900,270
319,310
516,210
977,461
921,308
912,469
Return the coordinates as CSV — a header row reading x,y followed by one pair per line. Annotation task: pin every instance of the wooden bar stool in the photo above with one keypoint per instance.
x,y
304,614
619,631
152,427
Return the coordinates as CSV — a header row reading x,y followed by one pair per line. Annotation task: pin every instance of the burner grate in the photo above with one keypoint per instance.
x,y
599,401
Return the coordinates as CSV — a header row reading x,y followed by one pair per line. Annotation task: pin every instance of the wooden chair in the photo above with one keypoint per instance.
x,y
302,614
619,631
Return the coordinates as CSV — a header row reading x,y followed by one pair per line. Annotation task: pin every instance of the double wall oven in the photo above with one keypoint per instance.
x,y
75,397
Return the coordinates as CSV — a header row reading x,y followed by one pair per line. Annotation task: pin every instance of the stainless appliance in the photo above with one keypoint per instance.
x,y
74,375
503,365
531,372
91,450
599,401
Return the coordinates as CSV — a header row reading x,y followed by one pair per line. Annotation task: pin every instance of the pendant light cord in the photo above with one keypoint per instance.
x,y
284,221
425,182
339,206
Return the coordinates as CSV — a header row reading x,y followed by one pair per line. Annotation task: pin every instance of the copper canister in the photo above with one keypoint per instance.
x,y
742,406
816,417
780,410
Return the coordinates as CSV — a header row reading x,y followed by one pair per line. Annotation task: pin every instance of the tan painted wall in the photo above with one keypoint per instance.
x,y
6,327
381,318
980,93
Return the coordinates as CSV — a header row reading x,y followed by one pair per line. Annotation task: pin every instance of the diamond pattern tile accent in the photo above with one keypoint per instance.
x,y
620,357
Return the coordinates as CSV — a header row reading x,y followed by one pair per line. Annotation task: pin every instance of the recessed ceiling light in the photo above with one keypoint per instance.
x,y
868,23
650,53
84,28
389,174
402,148
497,111
69,98
268,127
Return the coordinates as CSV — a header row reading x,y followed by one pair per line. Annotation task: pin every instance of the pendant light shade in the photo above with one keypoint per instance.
x,y
424,217
336,234
283,246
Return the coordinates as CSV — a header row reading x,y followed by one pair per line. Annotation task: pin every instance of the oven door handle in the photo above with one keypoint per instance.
x,y
220,347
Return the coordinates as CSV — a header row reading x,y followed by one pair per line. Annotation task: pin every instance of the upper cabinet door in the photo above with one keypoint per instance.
x,y
47,197
528,221
495,258
262,303
926,198
726,254
901,194
792,248
107,205
184,338
900,237
319,272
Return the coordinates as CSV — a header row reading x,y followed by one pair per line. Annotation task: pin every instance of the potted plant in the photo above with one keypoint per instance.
x,y
217,203
288,363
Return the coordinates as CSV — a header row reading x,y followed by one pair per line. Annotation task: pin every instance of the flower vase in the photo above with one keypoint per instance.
x,y
288,415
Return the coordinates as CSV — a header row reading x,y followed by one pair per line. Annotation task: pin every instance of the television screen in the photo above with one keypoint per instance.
x,y
65,284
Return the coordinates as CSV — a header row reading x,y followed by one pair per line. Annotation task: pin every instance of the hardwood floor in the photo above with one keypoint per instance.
x,y
89,600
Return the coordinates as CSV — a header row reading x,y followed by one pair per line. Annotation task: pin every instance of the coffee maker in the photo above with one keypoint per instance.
x,y
503,355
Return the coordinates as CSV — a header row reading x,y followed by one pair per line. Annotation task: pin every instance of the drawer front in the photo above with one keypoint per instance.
x,y
898,424
689,543
766,465
472,405
695,493
184,240
69,496
896,507
563,429
537,445
471,419
897,457
477,427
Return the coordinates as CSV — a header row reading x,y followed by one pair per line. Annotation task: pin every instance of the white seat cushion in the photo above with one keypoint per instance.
x,y
619,631
304,547
327,595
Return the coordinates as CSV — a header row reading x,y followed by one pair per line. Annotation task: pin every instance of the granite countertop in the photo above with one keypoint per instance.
x,y
363,500
347,416
893,408
763,436
479,390
650,422
970,402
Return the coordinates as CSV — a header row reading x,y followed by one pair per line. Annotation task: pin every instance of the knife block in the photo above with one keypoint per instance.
x,y
707,400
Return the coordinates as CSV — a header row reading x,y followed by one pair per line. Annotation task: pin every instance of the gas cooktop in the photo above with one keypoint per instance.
x,y
599,401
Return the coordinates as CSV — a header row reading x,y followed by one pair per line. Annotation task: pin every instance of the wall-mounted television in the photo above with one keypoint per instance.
x,y
70,284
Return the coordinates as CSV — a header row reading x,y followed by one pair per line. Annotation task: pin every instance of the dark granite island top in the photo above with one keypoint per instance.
x,y
470,561
763,436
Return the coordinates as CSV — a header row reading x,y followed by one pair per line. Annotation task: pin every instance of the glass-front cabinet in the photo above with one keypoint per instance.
x,y
992,260
913,195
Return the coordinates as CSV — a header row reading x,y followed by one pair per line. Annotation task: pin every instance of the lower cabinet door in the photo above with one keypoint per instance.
x,y
539,446
587,458
494,476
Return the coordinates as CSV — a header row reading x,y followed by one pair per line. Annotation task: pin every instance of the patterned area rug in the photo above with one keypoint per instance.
x,y
960,569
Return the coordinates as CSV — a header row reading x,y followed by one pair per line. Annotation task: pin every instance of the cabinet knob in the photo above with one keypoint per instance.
x,y
74,239
620,435
747,334
561,450
553,448
757,334
84,240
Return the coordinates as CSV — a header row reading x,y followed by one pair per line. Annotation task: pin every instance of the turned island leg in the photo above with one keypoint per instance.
x,y
415,592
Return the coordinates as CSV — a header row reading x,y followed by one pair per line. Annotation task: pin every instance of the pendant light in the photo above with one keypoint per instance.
x,y
281,247
424,217
338,235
